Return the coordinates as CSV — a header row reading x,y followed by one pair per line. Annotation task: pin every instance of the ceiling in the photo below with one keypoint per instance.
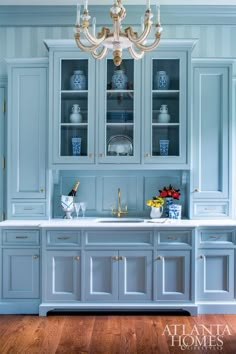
x,y
125,2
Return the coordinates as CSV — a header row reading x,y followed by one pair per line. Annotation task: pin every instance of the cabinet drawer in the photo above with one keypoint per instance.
x,y
216,237
124,237
21,237
63,238
175,238
28,209
209,210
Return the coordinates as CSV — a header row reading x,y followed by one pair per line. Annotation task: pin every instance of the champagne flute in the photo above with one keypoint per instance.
x,y
77,209
83,206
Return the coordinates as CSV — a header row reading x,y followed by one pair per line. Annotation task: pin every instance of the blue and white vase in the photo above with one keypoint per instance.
x,y
161,80
168,203
78,80
76,146
119,80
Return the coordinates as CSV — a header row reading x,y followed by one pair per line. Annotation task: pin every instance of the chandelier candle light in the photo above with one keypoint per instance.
x,y
117,40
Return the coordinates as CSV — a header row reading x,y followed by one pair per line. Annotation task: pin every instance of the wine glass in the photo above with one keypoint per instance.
x,y
77,209
83,206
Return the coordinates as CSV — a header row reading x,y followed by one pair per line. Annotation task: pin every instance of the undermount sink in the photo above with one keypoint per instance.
x,y
118,220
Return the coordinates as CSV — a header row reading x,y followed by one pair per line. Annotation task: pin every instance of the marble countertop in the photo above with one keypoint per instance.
x,y
91,222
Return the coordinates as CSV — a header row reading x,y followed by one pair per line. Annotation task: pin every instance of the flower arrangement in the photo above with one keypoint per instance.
x,y
170,192
156,202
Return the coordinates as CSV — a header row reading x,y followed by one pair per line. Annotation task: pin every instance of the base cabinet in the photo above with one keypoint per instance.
x,y
21,273
63,276
172,276
118,275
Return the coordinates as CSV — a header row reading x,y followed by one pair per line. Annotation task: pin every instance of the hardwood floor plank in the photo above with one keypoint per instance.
x,y
113,334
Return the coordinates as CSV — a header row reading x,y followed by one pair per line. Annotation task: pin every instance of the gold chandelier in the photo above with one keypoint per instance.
x,y
117,40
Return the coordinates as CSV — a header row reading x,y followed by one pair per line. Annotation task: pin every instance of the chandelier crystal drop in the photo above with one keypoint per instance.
x,y
116,39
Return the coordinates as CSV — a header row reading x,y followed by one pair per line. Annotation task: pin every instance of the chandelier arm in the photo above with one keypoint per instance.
x,y
100,55
134,54
83,47
93,40
148,48
133,38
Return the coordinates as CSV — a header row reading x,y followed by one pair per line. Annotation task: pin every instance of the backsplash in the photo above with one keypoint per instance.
x,y
100,189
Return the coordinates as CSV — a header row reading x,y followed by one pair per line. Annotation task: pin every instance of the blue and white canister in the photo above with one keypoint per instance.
x,y
119,80
162,80
76,146
78,80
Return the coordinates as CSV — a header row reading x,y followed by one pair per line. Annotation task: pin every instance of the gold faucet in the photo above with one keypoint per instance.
x,y
119,210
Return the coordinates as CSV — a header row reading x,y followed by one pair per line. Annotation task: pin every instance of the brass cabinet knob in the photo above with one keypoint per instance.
x,y
196,190
159,258
148,154
121,258
201,256
115,258
41,190
90,155
101,155
35,256
77,258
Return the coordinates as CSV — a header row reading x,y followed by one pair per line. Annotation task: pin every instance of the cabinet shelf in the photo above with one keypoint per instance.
x,y
68,94
165,124
74,124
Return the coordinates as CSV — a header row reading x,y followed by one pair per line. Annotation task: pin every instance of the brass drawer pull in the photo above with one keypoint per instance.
x,y
35,256
28,208
215,237
172,238
77,258
63,238
22,237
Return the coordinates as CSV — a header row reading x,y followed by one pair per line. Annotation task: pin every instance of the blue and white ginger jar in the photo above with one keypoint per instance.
x,y
78,80
162,80
119,80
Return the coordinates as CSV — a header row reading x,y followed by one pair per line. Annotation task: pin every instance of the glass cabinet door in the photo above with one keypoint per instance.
x,y
119,112
165,106
74,111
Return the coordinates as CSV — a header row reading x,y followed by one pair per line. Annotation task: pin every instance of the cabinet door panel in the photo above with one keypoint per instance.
x,y
102,275
211,119
63,275
28,119
215,275
21,273
172,275
135,275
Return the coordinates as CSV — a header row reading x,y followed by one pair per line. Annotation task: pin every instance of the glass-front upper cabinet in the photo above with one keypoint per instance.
x,y
166,107
72,108
119,111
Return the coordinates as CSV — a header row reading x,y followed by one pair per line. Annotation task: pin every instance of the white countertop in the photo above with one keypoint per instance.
x,y
116,223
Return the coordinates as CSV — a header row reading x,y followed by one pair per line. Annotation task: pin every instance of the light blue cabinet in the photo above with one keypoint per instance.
x,y
118,275
166,107
212,99
172,275
27,139
2,153
65,60
119,111
215,264
62,278
21,273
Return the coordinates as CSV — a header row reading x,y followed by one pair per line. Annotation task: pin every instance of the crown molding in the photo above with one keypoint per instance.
x,y
60,16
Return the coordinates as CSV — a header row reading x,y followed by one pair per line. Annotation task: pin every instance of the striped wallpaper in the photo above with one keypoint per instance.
x,y
18,42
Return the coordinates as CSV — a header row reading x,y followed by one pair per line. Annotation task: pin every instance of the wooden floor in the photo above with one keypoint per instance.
x,y
117,333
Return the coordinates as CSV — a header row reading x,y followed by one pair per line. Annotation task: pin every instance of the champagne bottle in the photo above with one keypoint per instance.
x,y
74,189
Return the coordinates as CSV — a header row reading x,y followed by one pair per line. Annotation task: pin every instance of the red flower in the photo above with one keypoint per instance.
x,y
169,191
